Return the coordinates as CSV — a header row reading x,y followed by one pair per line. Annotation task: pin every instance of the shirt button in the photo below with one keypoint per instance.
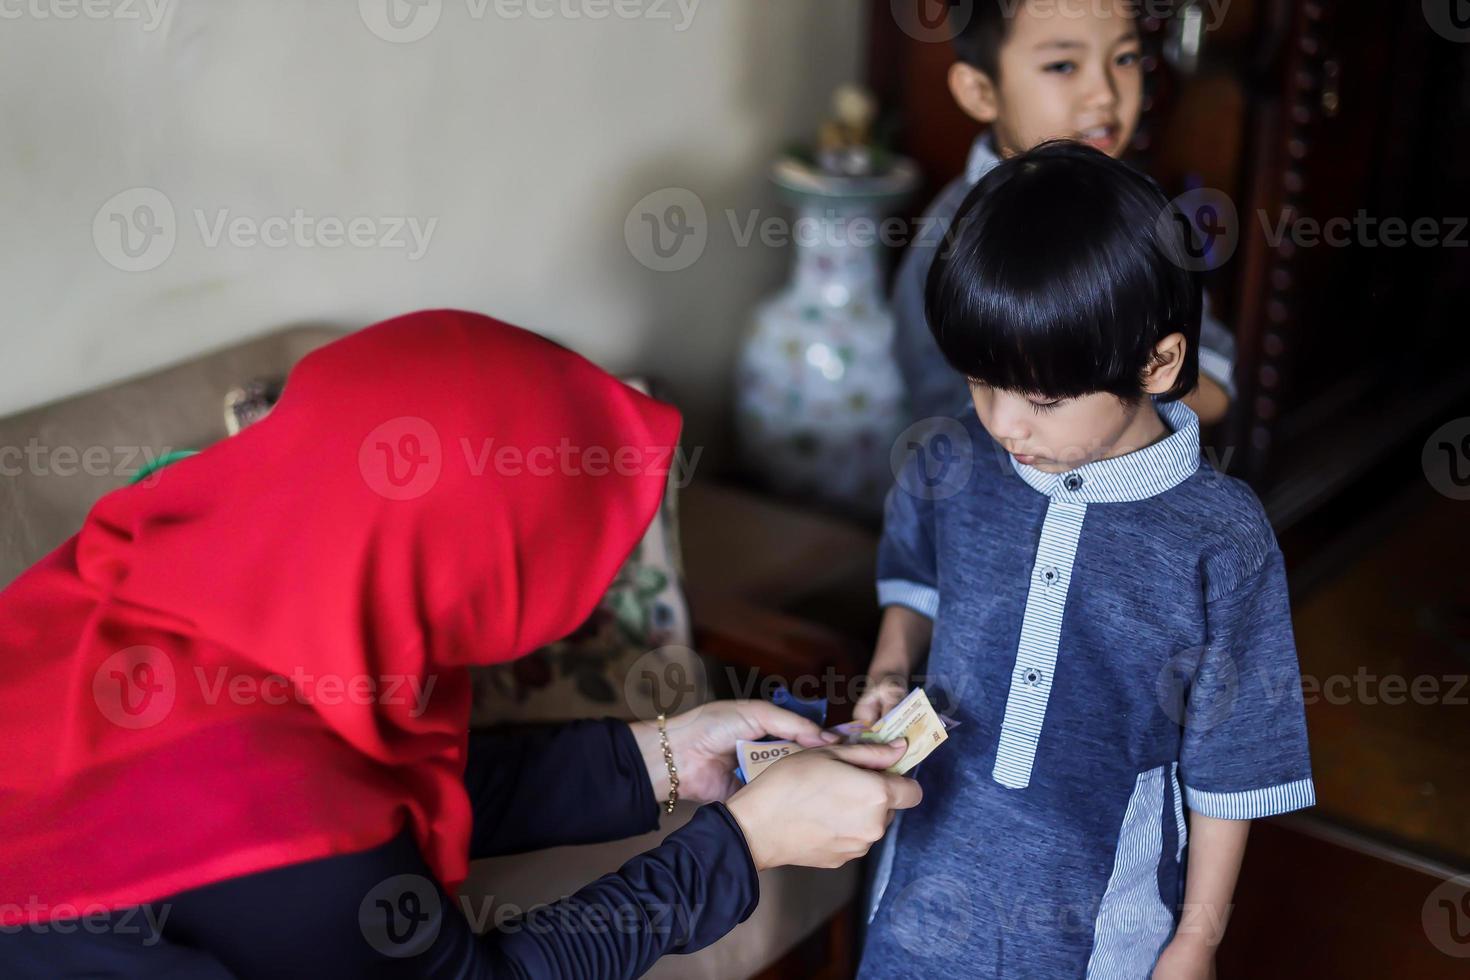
x,y
1050,575
1073,482
1033,676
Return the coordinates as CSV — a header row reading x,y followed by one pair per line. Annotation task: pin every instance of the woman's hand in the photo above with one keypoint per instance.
x,y
822,808
703,742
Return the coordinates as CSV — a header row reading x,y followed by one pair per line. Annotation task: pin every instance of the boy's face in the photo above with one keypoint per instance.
x,y
1054,437
1059,435
1069,69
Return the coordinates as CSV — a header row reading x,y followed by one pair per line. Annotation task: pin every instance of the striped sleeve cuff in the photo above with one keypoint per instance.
x,y
1252,804
921,599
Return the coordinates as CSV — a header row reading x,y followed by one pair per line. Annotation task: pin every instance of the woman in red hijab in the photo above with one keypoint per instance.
x,y
235,705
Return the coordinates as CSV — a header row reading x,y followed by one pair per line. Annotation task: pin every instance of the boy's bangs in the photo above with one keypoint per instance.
x,y
1040,343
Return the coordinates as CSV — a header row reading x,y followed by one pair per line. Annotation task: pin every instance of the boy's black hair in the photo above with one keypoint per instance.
x,y
1063,270
980,30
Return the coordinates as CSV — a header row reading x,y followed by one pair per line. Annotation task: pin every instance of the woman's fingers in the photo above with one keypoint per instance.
x,y
871,755
903,792
786,724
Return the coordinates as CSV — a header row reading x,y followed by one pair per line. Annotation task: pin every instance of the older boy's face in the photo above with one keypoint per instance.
x,y
1070,70
1058,436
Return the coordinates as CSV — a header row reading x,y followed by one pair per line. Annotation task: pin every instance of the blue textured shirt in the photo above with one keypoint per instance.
x,y
934,388
1116,645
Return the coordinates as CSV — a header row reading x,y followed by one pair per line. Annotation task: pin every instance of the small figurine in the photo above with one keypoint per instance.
x,y
845,143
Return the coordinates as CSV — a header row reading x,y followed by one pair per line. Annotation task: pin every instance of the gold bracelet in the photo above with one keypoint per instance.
x,y
663,741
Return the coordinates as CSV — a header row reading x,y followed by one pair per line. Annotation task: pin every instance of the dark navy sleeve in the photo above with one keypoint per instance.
x,y
1244,753
907,560
544,786
382,913
677,898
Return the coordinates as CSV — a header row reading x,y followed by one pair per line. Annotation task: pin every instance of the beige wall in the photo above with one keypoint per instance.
x,y
527,138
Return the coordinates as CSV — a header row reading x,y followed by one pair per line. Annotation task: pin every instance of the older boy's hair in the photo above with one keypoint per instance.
x,y
1063,270
980,31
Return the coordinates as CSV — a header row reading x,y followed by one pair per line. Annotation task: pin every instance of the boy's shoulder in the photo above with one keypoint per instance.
x,y
1228,520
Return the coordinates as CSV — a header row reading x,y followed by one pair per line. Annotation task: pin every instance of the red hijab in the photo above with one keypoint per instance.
x,y
258,657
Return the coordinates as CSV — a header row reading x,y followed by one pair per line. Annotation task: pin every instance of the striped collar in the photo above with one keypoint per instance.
x,y
982,159
1135,476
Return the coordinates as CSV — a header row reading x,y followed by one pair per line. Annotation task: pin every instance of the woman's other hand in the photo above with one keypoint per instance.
x,y
823,808
703,742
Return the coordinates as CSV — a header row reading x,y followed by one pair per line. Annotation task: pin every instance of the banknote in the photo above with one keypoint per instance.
x,y
754,758
913,718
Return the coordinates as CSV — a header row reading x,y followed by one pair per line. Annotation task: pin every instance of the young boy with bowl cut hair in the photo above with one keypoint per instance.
x,y
1032,71
1107,613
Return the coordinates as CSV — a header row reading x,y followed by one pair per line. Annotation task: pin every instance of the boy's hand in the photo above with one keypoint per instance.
x,y
882,696
1185,959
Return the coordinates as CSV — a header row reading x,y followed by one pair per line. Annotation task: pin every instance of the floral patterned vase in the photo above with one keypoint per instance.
x,y
818,396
